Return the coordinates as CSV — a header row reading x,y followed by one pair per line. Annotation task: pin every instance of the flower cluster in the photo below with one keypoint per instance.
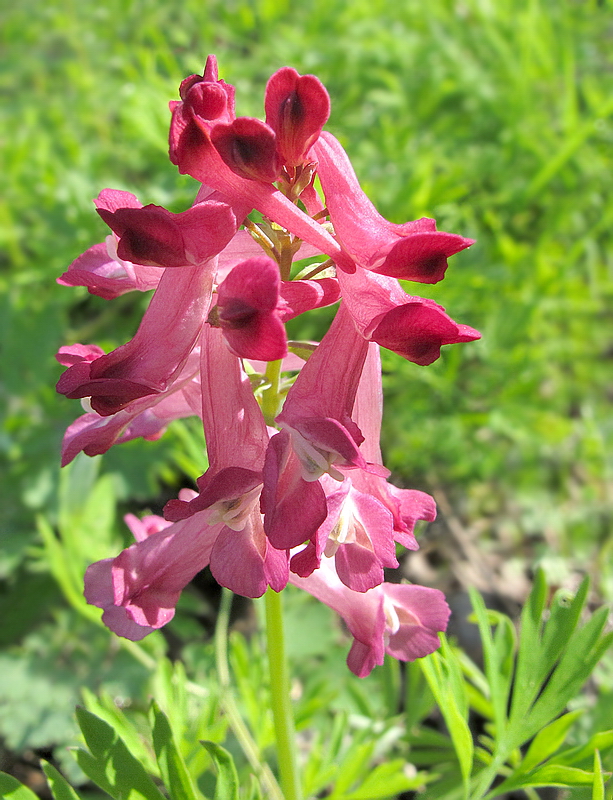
x,y
295,490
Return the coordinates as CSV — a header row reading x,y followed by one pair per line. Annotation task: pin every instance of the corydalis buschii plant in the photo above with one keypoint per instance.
x,y
296,493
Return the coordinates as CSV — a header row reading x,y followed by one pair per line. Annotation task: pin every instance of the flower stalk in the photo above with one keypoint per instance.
x,y
248,745
281,703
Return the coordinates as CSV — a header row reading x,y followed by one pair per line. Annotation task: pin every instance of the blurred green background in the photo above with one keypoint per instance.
x,y
493,116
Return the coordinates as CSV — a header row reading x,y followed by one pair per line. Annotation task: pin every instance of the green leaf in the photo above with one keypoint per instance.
x,y
547,775
602,742
226,787
584,651
444,677
498,651
111,765
12,789
105,708
529,662
598,784
557,775
418,699
387,780
548,740
564,615
172,766
60,788
352,767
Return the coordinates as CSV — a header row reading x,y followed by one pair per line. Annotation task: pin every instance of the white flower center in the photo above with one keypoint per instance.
x,y
314,461
235,511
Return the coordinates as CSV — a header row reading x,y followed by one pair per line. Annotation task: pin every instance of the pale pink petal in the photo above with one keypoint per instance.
x,y
143,583
293,508
150,362
244,562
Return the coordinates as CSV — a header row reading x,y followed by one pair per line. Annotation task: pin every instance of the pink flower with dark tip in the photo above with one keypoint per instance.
x,y
147,417
317,410
154,236
248,147
249,310
293,507
406,505
142,367
414,327
297,107
357,533
413,251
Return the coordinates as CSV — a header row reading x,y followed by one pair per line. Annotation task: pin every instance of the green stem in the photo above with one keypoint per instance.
x,y
270,396
248,745
280,697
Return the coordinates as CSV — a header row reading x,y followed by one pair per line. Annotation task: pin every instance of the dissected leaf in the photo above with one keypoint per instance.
x,y
172,766
111,765
60,788
548,740
387,780
12,789
226,787
443,674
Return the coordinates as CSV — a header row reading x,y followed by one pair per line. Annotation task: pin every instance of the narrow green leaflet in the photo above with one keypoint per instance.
x,y
227,778
546,776
564,614
598,784
172,766
352,767
444,676
528,671
387,780
585,648
548,740
60,788
603,742
12,789
111,765
498,651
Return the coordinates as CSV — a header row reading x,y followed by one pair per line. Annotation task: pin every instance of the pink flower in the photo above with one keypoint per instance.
x,y
357,533
399,619
106,275
405,505
248,147
413,327
235,433
229,491
317,410
414,251
142,367
301,296
146,417
249,310
297,108
154,236
139,589
293,507
193,151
